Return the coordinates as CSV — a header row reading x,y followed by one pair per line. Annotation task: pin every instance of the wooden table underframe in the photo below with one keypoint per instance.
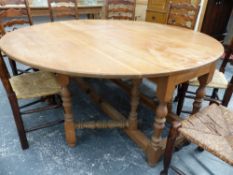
x,y
166,85
138,50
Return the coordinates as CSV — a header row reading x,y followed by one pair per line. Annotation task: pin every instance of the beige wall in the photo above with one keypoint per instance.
x,y
140,12
200,18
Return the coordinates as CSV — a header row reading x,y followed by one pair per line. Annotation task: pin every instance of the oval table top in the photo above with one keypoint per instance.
x,y
110,48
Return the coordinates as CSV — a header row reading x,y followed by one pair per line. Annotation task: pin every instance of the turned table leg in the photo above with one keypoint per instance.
x,y
165,89
134,104
68,114
200,93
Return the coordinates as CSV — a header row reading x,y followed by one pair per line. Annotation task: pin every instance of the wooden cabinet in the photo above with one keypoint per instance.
x,y
157,4
157,9
159,17
216,18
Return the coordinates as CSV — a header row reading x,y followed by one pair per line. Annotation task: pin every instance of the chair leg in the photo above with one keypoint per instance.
x,y
181,93
178,92
51,100
228,93
173,133
35,70
13,67
18,121
200,149
214,95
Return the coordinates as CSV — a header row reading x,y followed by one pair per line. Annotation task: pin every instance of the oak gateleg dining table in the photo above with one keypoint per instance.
x,y
112,49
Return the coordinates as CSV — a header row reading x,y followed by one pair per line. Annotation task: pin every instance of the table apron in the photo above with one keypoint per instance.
x,y
182,77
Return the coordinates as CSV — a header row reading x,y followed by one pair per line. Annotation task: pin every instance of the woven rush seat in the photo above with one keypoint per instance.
x,y
219,81
34,84
212,130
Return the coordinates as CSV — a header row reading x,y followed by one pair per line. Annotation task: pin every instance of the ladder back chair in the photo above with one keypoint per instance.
x,y
182,14
210,129
11,19
219,81
26,86
63,8
120,9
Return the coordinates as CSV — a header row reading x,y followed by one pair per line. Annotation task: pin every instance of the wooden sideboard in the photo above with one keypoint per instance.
x,y
157,10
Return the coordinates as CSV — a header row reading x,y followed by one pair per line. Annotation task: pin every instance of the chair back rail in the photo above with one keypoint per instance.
x,y
63,8
12,17
15,16
11,2
120,9
182,14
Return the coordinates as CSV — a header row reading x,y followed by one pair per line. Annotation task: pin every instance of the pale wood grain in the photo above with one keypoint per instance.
x,y
111,49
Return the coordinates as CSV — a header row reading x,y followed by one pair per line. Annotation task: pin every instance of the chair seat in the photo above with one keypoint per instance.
x,y
219,81
212,130
36,84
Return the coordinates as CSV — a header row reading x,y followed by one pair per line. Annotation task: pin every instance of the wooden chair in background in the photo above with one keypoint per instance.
x,y
26,86
63,8
120,9
13,18
182,15
219,81
210,129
